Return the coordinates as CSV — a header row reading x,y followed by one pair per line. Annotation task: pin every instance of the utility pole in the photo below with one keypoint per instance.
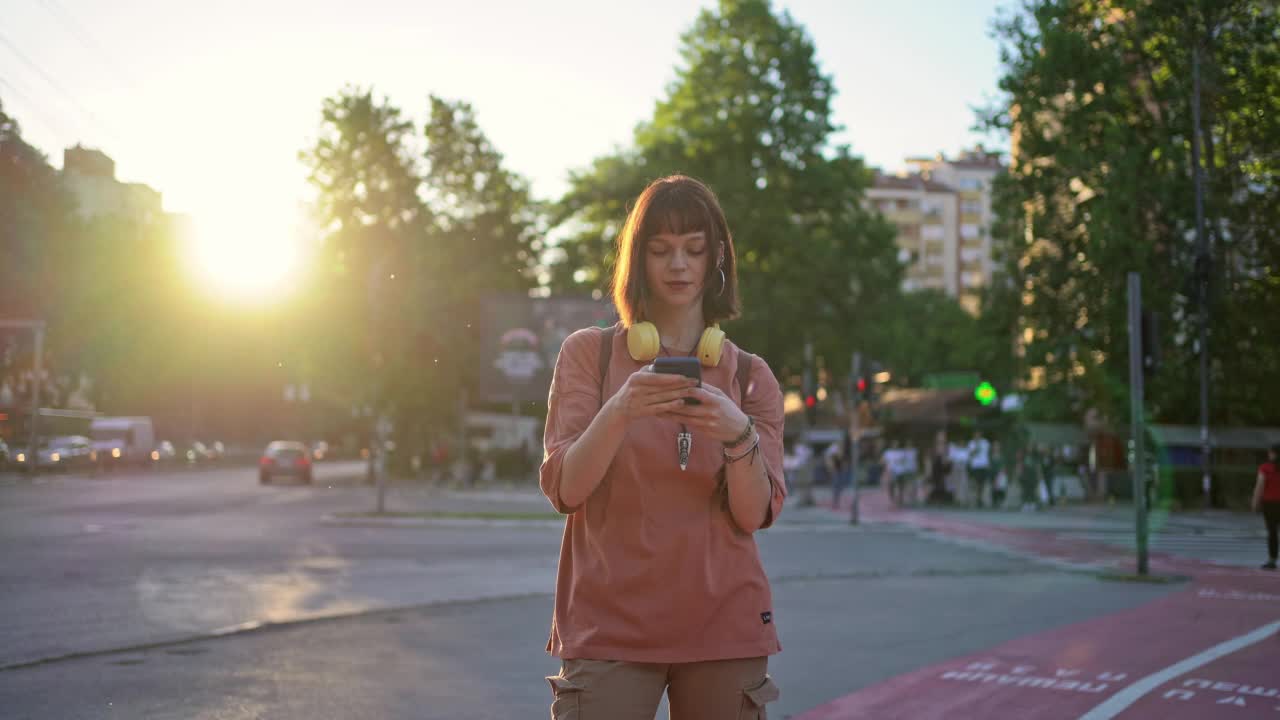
x,y
810,386
855,371
1137,468
1203,268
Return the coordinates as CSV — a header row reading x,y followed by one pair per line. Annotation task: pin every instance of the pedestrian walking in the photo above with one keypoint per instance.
x,y
1028,476
1045,464
1266,497
939,468
999,482
911,471
660,587
895,461
839,459
979,465
875,464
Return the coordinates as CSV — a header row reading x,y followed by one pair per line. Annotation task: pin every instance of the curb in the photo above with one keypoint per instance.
x,y
255,627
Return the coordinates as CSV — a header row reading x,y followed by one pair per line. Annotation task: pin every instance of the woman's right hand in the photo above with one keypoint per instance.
x,y
647,393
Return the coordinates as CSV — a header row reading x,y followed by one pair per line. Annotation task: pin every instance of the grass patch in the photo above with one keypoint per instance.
x,y
458,515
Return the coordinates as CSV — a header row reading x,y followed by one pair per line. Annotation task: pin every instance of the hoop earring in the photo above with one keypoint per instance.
x,y
722,282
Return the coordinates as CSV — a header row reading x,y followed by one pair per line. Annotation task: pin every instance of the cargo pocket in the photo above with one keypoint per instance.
x,y
756,697
567,698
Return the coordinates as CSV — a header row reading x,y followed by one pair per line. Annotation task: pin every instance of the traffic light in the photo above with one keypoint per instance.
x,y
811,408
985,393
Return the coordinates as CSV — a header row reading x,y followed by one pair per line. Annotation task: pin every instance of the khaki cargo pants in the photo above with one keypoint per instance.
x,y
615,690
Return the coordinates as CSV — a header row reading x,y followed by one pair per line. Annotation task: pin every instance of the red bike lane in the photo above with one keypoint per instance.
x,y
1211,649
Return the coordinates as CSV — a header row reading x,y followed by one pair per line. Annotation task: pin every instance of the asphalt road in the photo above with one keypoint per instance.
x,y
438,620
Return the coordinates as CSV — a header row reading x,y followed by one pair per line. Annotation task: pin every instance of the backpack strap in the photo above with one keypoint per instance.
x,y
606,354
744,373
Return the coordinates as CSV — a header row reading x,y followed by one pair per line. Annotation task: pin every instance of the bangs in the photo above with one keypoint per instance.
x,y
675,205
677,210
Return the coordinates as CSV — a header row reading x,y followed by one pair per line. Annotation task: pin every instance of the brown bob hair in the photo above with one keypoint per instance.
x,y
679,205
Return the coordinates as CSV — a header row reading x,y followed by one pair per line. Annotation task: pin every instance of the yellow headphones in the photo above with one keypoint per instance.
x,y
644,344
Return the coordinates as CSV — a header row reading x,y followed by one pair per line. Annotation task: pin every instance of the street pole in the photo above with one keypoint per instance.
x,y
1202,270
34,444
382,432
1137,427
810,384
855,371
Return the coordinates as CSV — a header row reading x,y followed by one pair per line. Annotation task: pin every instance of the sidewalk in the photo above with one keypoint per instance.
x,y
1209,644
411,503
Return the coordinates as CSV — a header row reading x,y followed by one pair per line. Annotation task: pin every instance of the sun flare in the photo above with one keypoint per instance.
x,y
246,257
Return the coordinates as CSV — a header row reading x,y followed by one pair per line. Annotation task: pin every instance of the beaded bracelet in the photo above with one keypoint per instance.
x,y
746,433
730,459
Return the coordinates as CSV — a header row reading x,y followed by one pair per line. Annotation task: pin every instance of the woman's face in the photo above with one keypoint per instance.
x,y
675,268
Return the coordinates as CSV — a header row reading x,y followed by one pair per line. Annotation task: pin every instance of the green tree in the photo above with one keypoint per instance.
x,y
483,239
370,214
104,286
749,113
1098,99
36,215
411,245
487,224
929,332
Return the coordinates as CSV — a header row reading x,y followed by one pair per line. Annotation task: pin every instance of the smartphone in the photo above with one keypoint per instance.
x,y
689,367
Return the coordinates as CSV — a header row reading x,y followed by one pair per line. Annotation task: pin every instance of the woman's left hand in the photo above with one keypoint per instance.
x,y
718,414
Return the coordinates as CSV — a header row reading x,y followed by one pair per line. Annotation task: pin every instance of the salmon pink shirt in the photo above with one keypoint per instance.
x,y
652,566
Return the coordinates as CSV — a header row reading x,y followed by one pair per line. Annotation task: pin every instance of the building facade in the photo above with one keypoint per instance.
x,y
926,216
90,175
942,210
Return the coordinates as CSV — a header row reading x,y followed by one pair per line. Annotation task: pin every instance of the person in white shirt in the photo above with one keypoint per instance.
x,y
895,460
794,460
911,471
979,466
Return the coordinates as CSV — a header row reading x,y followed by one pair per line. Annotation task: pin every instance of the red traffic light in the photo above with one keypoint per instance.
x,y
862,385
810,401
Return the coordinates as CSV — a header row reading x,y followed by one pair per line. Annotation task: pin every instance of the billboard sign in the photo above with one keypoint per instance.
x,y
522,339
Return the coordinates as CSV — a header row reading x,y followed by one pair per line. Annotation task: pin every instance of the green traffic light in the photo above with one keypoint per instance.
x,y
985,393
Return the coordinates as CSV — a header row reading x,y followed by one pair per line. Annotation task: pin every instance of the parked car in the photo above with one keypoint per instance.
x,y
197,453
319,450
164,453
285,459
70,452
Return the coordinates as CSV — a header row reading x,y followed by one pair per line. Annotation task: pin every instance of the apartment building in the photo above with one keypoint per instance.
x,y
942,209
926,214
970,175
90,175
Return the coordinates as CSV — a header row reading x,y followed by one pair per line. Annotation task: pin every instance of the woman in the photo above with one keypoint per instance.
x,y
939,469
660,585
1266,497
1028,476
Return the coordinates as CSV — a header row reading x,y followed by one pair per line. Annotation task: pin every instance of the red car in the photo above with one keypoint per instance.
x,y
285,459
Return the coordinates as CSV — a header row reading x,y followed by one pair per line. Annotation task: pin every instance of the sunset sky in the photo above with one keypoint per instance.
x,y
210,102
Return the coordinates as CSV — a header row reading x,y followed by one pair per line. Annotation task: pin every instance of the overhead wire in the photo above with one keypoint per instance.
x,y
34,108
87,41
98,123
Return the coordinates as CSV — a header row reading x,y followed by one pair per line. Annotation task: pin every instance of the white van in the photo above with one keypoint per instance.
x,y
123,440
